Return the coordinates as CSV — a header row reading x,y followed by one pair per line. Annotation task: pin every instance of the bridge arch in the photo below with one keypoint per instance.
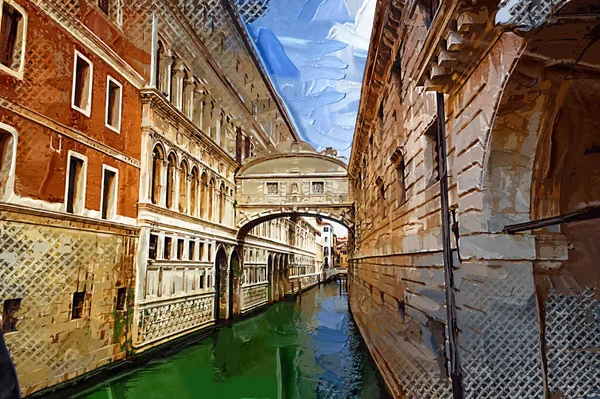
x,y
293,184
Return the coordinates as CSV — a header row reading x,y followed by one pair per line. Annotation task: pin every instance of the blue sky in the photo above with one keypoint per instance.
x,y
315,52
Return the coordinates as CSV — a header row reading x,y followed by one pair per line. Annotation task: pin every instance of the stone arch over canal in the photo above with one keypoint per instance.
x,y
290,185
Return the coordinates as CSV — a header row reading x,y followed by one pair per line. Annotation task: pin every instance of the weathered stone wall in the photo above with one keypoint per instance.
x,y
397,291
44,261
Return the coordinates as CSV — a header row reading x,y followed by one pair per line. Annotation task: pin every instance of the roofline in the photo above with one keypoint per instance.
x,y
291,155
240,26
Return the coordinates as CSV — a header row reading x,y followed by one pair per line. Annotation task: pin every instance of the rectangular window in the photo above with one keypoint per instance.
x,y
201,280
180,246
109,193
209,254
9,314
318,187
431,154
12,38
400,180
75,195
167,248
192,250
325,229
431,8
121,298
114,98
153,246
82,84
201,251
272,188
77,307
103,4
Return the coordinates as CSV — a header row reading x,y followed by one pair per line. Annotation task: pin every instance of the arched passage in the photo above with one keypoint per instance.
x,y
343,218
221,285
234,283
540,180
270,275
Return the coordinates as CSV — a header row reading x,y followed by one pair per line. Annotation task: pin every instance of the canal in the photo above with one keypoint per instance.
x,y
294,350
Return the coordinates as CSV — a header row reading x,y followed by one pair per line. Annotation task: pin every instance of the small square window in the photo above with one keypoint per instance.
x,y
77,307
272,188
121,298
318,187
83,71
9,314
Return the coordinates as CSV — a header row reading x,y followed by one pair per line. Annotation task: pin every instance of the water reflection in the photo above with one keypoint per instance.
x,y
295,350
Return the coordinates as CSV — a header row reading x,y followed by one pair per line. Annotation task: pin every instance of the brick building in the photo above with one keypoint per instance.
x,y
501,300
121,127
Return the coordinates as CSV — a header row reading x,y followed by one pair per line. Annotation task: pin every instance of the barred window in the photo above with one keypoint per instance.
x,y
318,187
272,188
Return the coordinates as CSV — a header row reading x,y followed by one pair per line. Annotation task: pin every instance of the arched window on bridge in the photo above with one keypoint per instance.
x,y
194,192
171,166
158,159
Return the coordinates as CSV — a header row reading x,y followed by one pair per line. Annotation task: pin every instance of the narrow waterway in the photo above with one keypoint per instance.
x,y
295,350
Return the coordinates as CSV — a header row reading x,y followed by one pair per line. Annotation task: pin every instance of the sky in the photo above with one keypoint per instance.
x,y
315,53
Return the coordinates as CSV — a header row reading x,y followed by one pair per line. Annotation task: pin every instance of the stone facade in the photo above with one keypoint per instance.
x,y
509,99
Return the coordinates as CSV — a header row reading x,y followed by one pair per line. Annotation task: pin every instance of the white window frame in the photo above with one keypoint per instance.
x,y
9,184
18,73
116,199
82,157
116,129
87,112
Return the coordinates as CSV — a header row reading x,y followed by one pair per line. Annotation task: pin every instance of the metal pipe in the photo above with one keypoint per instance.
x,y
455,372
588,214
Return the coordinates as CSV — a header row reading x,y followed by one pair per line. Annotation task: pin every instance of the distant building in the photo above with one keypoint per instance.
x,y
327,238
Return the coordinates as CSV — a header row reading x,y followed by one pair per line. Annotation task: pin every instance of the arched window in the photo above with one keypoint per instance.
x,y
203,195
194,192
211,193
176,82
7,151
221,203
158,158
198,104
183,187
163,66
160,50
171,179
188,94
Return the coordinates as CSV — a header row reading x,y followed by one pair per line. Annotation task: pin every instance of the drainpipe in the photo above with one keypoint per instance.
x,y
455,372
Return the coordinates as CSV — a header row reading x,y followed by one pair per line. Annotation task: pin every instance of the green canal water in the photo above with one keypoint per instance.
x,y
294,350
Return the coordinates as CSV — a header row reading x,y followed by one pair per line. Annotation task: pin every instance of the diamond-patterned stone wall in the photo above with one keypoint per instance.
x,y
573,342
44,263
156,321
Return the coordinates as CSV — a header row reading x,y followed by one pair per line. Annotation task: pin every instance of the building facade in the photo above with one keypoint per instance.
x,y
501,299
70,119
121,129
327,241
